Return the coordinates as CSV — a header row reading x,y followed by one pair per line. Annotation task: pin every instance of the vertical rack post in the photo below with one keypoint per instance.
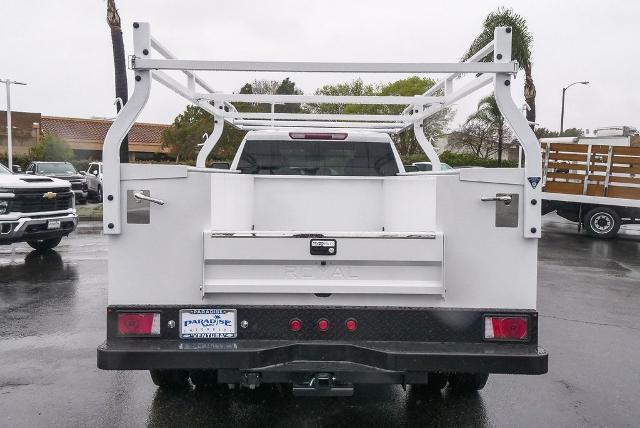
x,y
120,127
532,194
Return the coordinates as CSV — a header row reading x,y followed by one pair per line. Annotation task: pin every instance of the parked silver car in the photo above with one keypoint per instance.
x,y
94,180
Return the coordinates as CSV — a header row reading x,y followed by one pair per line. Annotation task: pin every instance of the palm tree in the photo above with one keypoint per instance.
x,y
120,67
522,41
489,117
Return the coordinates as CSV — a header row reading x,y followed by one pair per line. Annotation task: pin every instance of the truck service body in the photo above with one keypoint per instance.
x,y
315,260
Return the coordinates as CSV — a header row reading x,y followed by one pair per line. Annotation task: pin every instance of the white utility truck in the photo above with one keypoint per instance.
x,y
593,181
315,261
37,210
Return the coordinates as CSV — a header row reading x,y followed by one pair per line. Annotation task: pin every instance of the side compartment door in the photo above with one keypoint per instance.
x,y
488,261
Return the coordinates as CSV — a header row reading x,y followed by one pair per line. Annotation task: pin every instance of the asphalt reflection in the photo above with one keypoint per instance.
x,y
376,405
42,284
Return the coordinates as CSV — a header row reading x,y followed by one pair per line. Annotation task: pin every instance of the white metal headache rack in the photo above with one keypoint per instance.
x,y
418,108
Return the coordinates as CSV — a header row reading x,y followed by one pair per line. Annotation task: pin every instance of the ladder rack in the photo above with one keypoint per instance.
x,y
417,109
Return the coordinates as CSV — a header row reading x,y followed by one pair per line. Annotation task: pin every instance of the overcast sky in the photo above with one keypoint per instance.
x,y
62,48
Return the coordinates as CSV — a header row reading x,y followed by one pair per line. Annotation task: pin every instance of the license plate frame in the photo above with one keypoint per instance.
x,y
54,224
208,323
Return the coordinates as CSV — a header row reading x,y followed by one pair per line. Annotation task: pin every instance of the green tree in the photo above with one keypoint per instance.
x,y
405,142
475,138
286,87
522,41
546,133
489,117
53,149
186,132
354,88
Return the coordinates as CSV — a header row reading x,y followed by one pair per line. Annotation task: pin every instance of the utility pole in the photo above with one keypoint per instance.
x,y
8,84
564,90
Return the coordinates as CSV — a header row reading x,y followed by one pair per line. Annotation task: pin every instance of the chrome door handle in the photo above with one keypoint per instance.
x,y
504,198
142,197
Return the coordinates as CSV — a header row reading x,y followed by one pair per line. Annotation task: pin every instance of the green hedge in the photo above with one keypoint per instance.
x,y
461,159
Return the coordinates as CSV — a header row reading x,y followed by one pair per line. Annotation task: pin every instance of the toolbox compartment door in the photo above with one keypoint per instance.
x,y
282,262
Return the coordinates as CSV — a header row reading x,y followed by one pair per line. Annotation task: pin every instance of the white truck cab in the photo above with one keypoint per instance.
x,y
93,176
36,210
315,261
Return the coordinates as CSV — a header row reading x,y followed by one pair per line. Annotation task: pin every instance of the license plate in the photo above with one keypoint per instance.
x,y
53,224
208,323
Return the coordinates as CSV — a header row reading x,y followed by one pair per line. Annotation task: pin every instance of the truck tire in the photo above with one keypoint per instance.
x,y
99,194
468,382
204,379
170,380
602,222
436,382
44,244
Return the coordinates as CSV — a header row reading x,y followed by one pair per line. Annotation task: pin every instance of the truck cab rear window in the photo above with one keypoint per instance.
x,y
325,158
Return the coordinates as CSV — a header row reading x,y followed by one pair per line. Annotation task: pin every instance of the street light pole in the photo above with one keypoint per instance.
x,y
564,90
8,84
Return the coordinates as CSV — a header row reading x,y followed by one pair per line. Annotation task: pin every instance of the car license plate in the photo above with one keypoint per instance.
x,y
208,323
53,224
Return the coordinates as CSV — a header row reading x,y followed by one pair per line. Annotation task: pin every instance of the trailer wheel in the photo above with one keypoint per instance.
x,y
170,380
44,244
602,222
468,382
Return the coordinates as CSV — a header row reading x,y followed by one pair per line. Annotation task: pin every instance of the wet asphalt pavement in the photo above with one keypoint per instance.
x,y
52,317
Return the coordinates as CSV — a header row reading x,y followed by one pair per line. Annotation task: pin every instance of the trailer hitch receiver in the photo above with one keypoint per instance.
x,y
324,385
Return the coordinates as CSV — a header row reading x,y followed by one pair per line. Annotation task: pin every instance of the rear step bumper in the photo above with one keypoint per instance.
x,y
143,354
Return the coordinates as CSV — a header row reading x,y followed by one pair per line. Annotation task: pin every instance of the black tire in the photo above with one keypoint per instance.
x,y
436,382
82,202
44,244
170,380
468,382
602,222
204,379
99,194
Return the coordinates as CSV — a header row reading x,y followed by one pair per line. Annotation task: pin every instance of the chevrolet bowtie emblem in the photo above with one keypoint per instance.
x,y
49,195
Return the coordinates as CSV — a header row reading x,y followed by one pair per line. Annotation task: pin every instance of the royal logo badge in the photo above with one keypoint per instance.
x,y
534,181
49,195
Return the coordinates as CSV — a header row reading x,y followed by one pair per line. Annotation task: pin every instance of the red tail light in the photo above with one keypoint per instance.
x,y
351,324
295,324
506,328
142,324
323,325
318,135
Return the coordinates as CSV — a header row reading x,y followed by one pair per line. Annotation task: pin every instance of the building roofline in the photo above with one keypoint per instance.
x,y
79,119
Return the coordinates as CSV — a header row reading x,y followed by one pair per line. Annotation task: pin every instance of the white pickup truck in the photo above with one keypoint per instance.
x,y
316,261
36,210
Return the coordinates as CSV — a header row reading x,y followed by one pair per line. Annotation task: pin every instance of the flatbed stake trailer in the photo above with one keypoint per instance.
x,y
303,264
595,185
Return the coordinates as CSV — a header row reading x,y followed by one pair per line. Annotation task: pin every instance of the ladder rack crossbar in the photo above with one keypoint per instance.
x,y
325,67
319,116
310,123
319,99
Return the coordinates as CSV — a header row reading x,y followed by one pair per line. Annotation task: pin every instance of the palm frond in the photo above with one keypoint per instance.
x,y
522,39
